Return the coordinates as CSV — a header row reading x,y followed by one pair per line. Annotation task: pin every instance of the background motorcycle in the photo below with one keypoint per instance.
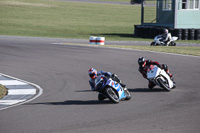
x,y
135,1
159,77
111,89
158,41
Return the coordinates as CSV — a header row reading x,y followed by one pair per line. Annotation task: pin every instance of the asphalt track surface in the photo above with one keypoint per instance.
x,y
68,106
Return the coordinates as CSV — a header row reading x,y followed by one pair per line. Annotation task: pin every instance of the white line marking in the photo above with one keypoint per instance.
x,y
12,82
19,102
10,102
22,92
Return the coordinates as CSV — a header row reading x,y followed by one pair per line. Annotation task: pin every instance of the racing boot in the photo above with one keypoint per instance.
x,y
123,85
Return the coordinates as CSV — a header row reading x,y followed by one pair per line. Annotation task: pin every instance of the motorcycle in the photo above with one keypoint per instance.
x,y
111,89
158,41
159,77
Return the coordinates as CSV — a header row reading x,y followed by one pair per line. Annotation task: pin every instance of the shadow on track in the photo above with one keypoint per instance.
x,y
75,102
146,90
83,91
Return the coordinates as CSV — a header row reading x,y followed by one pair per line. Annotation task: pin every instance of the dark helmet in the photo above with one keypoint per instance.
x,y
92,73
165,31
141,61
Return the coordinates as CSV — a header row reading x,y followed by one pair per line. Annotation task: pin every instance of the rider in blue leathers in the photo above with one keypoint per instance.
x,y
93,74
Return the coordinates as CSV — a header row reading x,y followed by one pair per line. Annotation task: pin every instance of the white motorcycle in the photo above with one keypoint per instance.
x,y
159,77
158,41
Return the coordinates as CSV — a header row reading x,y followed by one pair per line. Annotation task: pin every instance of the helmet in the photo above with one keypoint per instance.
x,y
141,61
92,73
166,31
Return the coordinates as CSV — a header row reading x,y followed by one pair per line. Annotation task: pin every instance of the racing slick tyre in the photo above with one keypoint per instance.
x,y
112,95
163,84
128,94
172,44
152,44
174,85
132,2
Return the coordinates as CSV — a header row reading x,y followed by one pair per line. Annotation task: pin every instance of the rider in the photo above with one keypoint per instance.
x,y
93,74
166,37
143,66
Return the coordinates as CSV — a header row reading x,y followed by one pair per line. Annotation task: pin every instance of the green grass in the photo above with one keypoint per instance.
x,y
46,18
114,0
194,51
185,50
3,91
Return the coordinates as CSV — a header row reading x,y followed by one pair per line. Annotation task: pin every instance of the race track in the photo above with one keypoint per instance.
x,y
68,106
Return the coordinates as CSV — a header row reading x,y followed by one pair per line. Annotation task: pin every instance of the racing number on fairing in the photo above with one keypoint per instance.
x,y
115,84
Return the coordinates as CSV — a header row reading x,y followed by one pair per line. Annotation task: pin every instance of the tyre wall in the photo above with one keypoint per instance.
x,y
151,31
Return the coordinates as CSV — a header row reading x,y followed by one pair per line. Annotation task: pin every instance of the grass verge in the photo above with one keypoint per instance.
x,y
47,18
185,50
64,19
194,51
3,91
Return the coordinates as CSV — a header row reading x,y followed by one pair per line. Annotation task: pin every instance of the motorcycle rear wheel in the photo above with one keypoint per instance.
x,y
163,84
112,95
172,44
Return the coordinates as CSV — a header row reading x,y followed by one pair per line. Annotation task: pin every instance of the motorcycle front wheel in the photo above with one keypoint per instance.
x,y
152,44
112,95
132,2
163,84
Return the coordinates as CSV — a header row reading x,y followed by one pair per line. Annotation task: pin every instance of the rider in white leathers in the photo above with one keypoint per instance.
x,y
166,37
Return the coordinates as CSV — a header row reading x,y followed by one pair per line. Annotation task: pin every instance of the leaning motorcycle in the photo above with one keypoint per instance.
x,y
158,41
159,77
111,89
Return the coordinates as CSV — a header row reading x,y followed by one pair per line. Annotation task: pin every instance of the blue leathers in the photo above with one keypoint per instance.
x,y
91,81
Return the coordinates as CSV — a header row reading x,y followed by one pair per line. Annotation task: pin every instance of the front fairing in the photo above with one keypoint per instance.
x,y
153,73
115,85
102,82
